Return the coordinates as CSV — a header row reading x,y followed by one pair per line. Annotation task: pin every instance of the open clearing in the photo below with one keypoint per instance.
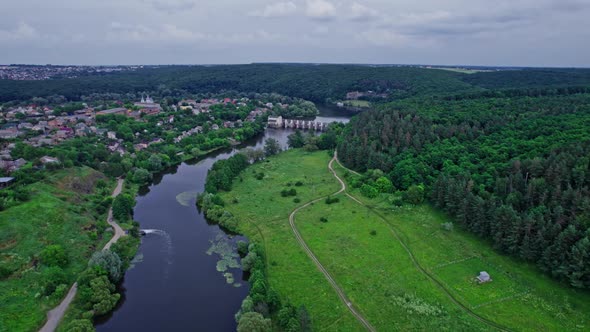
x,y
358,247
462,70
358,103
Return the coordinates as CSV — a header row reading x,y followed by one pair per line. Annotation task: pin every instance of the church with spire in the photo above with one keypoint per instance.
x,y
148,106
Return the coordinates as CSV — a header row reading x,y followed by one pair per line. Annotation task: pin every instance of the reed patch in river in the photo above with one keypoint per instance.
x,y
226,250
186,198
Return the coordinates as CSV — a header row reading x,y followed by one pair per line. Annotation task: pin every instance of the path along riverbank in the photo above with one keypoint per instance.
x,y
55,315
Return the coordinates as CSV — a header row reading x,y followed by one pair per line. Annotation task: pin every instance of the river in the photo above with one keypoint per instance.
x,y
174,283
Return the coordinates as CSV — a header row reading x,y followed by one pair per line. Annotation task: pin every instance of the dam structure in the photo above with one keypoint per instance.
x,y
278,123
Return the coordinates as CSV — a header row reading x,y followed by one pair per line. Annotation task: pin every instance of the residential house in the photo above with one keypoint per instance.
x,y
48,160
118,110
5,182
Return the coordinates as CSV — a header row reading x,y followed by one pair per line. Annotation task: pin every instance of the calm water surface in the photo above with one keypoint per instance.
x,y
174,284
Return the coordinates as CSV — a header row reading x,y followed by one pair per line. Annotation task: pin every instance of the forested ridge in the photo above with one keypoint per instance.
x,y
514,170
311,82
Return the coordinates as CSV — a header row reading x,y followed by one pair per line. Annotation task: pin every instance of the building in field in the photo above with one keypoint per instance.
x,y
483,277
5,182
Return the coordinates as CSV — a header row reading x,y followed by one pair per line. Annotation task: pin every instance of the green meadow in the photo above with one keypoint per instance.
x,y
58,213
364,248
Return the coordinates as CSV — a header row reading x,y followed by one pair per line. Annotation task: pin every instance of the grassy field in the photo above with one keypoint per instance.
x,y
359,247
357,103
519,297
57,213
461,70
264,218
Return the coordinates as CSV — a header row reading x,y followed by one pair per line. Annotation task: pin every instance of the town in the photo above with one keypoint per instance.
x,y
47,126
36,73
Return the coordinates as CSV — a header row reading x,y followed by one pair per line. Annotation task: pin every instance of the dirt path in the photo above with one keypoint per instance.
x,y
417,264
118,230
319,265
55,315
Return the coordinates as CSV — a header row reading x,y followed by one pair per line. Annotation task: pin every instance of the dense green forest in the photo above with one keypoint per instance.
x,y
514,170
310,82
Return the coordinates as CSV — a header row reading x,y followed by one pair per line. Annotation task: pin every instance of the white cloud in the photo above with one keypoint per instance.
x,y
278,9
382,37
142,33
170,33
361,12
22,32
171,6
320,9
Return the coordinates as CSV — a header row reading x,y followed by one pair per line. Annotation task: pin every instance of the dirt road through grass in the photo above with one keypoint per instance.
x,y
319,265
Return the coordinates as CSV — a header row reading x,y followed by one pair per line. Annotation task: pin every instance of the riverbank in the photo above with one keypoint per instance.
x,y
364,245
176,248
125,247
63,213
55,315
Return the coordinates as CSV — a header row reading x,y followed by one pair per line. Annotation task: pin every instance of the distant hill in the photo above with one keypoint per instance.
x,y
309,81
530,78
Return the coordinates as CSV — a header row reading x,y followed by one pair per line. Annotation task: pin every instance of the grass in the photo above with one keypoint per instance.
x,y
57,213
358,103
264,218
519,297
461,70
360,250
373,269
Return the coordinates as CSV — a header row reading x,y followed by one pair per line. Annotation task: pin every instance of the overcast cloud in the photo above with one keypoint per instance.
x,y
470,32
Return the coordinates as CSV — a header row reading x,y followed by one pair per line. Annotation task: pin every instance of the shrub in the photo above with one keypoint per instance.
x,y
296,200
125,248
288,192
384,185
298,184
332,200
22,194
247,306
123,207
373,232
80,325
254,322
109,261
53,276
141,176
249,261
259,176
242,248
448,226
103,297
414,194
369,191
324,219
397,202
54,255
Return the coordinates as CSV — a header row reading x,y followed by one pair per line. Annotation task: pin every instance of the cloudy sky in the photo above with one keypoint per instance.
x,y
471,32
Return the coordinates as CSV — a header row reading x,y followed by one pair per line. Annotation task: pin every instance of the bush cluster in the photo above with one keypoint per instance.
x,y
264,303
331,200
288,192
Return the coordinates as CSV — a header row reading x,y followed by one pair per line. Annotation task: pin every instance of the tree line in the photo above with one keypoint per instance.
x,y
514,170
